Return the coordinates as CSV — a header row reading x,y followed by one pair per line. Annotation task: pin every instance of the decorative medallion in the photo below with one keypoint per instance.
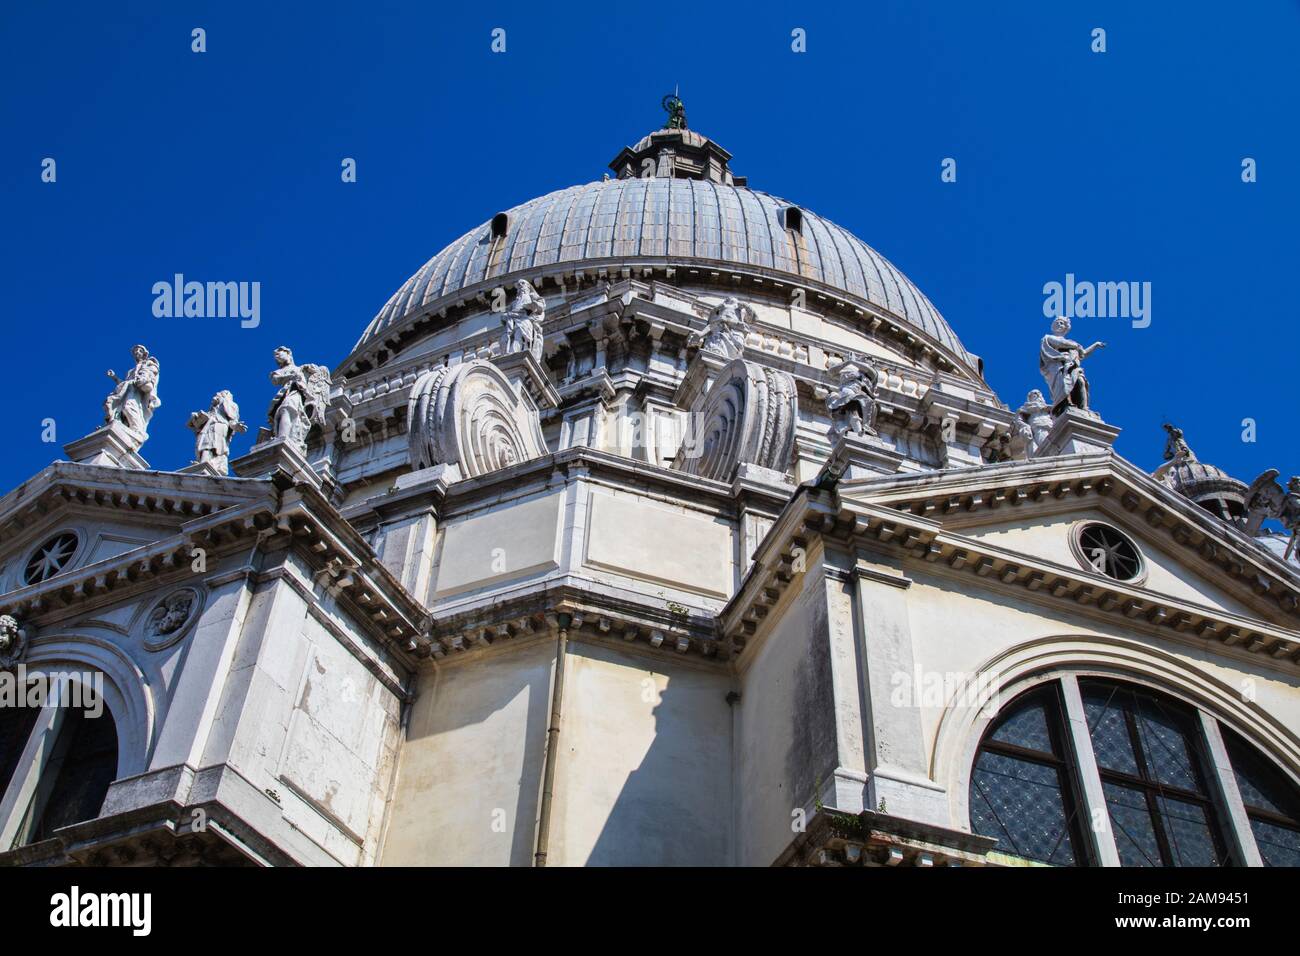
x,y
167,622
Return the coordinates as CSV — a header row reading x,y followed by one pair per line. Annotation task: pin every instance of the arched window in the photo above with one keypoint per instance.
x,y
1154,770
1271,800
78,775
1022,789
45,787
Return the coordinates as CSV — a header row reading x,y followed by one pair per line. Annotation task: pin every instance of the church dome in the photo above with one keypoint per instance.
x,y
1209,486
674,205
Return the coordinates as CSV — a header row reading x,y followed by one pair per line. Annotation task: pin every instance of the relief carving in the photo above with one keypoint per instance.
x,y
471,417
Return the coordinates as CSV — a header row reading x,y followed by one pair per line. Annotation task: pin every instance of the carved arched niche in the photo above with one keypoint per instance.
x,y
747,416
472,417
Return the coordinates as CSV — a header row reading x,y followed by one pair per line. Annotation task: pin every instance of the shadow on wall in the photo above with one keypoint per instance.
x,y
670,807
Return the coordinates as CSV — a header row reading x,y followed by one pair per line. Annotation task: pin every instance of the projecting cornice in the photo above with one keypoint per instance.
x,y
922,518
217,515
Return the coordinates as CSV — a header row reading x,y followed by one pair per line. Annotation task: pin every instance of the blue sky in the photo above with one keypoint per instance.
x,y
1122,166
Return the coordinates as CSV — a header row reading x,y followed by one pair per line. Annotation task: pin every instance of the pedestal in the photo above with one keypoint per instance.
x,y
1077,432
113,445
862,456
266,458
203,468
528,377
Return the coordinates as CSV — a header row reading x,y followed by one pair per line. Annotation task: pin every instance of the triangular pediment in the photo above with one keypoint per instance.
x,y
76,516
1021,520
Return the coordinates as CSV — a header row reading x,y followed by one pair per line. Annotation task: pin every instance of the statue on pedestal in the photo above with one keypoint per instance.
x,y
133,400
1061,362
853,403
213,430
523,323
302,400
1176,447
727,328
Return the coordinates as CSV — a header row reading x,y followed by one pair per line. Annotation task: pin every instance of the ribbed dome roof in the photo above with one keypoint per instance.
x,y
665,220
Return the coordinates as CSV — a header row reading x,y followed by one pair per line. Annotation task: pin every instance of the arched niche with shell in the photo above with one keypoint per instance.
x,y
472,417
747,416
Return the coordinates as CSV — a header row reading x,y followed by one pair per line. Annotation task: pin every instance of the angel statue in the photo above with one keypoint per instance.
x,y
1061,361
213,430
134,398
853,403
524,321
300,404
725,332
1266,499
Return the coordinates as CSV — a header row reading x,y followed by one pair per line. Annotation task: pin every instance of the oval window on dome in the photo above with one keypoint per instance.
x,y
1107,550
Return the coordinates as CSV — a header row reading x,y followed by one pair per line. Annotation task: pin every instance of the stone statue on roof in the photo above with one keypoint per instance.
x,y
852,403
303,398
726,330
134,398
676,111
213,430
523,322
1061,362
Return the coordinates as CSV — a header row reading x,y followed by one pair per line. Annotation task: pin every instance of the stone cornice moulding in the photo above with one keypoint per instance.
x,y
654,481
168,496
441,313
628,620
881,527
1049,486
343,561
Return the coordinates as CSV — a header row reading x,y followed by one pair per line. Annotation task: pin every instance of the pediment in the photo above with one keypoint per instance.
x,y
76,515
1013,523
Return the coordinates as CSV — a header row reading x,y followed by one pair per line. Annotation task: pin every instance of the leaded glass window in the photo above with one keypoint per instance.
x,y
1021,788
1272,803
1148,752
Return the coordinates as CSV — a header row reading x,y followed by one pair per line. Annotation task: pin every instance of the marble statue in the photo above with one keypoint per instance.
x,y
725,332
852,403
1176,447
523,322
1061,362
13,641
214,429
1020,442
134,398
1038,414
1266,499
302,400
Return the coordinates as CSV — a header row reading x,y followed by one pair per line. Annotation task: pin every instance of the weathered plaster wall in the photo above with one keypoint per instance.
x,y
471,763
786,735
644,771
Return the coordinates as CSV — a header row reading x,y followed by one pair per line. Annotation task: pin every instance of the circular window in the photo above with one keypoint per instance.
x,y
50,558
1107,551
